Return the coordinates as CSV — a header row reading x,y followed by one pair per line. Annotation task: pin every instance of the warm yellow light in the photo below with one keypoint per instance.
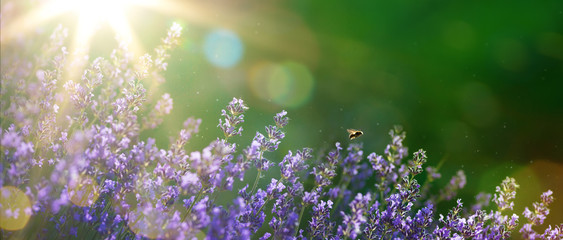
x,y
83,191
15,208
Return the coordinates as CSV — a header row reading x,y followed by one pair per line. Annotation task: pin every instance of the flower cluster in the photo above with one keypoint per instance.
x,y
84,169
537,217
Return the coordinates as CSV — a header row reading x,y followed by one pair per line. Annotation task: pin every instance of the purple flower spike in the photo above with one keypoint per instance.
x,y
162,108
326,171
433,173
481,200
334,156
285,219
236,107
280,119
311,197
320,226
537,217
275,188
417,162
233,117
506,193
351,162
352,224
395,151
291,165
457,182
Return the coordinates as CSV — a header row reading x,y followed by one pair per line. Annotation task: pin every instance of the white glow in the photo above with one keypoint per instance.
x,y
97,11
91,15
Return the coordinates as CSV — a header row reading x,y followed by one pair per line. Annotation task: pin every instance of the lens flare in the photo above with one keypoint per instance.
x,y
223,48
149,222
288,84
83,191
15,209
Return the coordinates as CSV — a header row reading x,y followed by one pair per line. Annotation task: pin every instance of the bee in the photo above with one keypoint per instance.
x,y
354,133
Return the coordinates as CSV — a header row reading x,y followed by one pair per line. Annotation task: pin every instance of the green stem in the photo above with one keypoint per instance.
x,y
268,199
197,198
299,221
428,180
442,161
340,194
258,175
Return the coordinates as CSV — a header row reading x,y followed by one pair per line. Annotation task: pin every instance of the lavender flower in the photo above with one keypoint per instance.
x,y
275,188
350,168
235,170
395,151
290,165
285,219
417,162
326,171
352,224
350,163
433,173
252,216
452,222
280,119
320,225
482,200
261,144
172,40
311,197
233,117
537,217
162,108
456,182
506,192
384,169
225,224
208,162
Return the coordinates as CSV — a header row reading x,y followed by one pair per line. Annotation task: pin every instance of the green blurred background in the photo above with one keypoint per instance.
x,y
477,83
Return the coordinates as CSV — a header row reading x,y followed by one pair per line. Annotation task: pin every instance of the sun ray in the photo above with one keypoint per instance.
x,y
28,22
301,45
123,30
91,15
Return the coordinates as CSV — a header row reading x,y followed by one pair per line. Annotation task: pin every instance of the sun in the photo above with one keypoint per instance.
x,y
85,18
100,10
88,16
92,13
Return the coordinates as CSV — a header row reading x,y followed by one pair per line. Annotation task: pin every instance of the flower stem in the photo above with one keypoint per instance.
x,y
197,198
258,176
269,198
342,185
299,221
